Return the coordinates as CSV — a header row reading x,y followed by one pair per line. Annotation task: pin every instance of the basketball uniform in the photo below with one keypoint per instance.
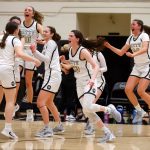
x,y
30,34
82,73
100,60
7,62
141,67
52,76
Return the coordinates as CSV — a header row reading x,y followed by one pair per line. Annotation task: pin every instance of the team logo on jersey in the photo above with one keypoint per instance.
x,y
13,83
48,87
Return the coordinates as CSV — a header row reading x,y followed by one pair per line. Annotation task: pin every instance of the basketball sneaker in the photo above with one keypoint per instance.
x,y
58,129
115,113
138,116
45,132
70,118
30,117
89,130
9,133
108,137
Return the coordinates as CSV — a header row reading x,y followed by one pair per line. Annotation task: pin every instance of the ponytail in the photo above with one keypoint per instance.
x,y
56,37
2,43
10,28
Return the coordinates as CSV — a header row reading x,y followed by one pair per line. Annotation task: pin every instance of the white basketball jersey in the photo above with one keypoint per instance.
x,y
29,33
7,55
51,50
136,45
80,67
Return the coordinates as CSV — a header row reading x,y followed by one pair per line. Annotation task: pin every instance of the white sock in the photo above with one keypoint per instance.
x,y
105,129
46,125
138,107
8,126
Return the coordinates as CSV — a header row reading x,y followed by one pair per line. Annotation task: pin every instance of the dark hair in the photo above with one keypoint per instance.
x,y
146,29
140,23
17,18
37,16
56,37
78,35
10,28
96,44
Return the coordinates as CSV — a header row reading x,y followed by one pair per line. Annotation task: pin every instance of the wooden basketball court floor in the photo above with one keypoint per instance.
x,y
128,137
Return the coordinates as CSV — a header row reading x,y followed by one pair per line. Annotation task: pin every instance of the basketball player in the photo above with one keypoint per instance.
x,y
17,68
30,29
86,83
9,46
100,60
51,83
138,41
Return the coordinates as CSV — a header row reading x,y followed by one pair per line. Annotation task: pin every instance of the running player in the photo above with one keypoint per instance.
x,y
9,46
138,41
51,83
86,83
100,60
30,29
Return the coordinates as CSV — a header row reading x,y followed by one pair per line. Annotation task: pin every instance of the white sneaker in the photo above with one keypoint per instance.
x,y
70,118
108,137
58,129
89,130
45,132
115,113
16,109
30,116
138,117
9,133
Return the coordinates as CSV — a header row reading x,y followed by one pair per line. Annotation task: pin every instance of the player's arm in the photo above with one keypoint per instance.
x,y
103,66
86,55
119,52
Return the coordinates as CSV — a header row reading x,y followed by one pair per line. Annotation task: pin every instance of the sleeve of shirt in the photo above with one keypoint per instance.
x,y
145,37
103,66
47,53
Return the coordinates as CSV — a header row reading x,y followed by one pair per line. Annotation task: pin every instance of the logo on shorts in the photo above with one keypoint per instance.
x,y
13,83
93,90
48,87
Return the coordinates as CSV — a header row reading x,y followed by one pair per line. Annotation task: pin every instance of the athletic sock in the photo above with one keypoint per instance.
x,y
8,126
138,107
